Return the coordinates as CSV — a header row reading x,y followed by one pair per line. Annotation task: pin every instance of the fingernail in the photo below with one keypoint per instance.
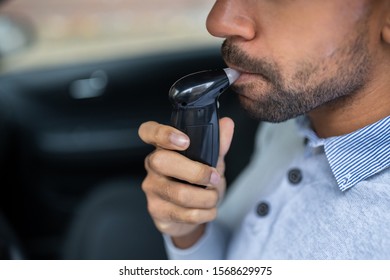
x,y
178,140
214,178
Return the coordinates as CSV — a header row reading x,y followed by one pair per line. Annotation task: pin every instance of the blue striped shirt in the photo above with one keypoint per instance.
x,y
356,156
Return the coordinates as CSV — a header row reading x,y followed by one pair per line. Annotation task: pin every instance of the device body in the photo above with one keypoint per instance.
x,y
195,111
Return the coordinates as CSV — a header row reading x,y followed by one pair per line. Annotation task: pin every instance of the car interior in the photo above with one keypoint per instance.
x,y
71,161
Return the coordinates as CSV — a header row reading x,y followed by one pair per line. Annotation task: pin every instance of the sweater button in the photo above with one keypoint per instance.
x,y
295,176
262,209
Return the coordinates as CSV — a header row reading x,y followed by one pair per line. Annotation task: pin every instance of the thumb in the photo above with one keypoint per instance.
x,y
226,127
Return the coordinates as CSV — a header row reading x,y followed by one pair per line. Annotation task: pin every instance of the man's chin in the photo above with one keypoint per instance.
x,y
265,112
251,108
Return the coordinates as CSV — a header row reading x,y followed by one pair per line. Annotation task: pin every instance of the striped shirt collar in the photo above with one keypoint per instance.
x,y
356,156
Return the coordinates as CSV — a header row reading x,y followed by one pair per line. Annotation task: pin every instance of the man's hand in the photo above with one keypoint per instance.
x,y
181,209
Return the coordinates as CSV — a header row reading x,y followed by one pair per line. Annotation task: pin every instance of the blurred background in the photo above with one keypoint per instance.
x,y
77,78
80,30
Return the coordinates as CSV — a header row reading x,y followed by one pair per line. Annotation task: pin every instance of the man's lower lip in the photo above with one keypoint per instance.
x,y
245,77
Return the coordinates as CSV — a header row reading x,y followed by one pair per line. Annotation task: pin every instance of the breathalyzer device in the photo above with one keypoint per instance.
x,y
195,111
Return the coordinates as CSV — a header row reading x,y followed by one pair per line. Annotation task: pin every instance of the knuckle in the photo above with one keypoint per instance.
x,y
160,135
181,195
175,216
147,162
158,210
152,209
201,173
166,192
145,186
162,226
193,216
156,160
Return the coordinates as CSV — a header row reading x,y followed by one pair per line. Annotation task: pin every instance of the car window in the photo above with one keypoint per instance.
x,y
43,33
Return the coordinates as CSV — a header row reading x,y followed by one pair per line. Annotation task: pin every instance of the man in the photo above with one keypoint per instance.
x,y
325,63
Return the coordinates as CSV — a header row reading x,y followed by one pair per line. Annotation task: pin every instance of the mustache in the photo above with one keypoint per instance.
x,y
235,56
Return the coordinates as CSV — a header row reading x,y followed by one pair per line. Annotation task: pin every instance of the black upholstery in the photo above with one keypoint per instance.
x,y
10,247
113,223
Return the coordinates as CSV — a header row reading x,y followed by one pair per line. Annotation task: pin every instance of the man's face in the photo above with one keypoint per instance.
x,y
296,55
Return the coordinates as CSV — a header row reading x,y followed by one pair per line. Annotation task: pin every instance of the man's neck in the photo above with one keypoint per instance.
x,y
351,113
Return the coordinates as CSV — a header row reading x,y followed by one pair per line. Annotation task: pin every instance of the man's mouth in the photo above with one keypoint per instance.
x,y
247,76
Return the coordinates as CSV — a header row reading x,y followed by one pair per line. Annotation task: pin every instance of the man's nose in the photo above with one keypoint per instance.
x,y
231,18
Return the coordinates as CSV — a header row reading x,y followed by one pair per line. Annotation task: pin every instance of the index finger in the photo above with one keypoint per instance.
x,y
163,136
